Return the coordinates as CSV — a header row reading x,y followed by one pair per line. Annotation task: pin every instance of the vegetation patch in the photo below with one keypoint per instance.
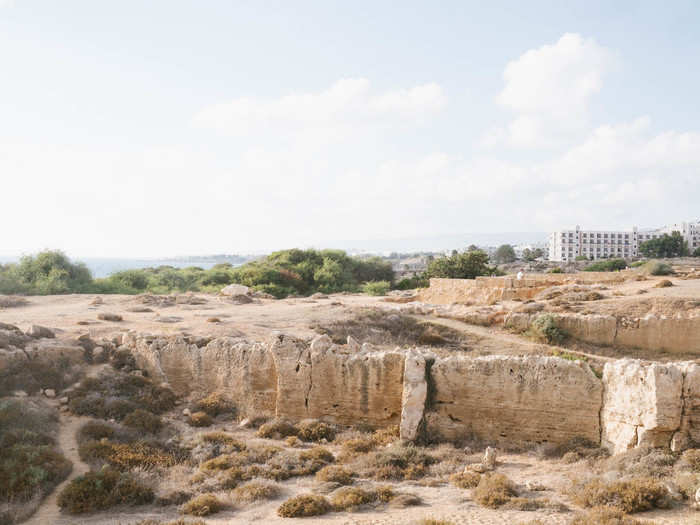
x,y
215,405
101,490
544,329
335,473
350,498
256,490
606,516
379,327
465,480
203,505
32,375
494,490
127,456
634,495
200,419
304,505
144,421
277,429
376,288
312,430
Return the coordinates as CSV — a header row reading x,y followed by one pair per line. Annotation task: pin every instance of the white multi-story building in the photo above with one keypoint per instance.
x,y
566,245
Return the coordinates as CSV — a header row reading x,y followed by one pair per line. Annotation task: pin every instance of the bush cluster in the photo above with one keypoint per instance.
x,y
607,265
634,495
29,461
303,506
544,328
101,490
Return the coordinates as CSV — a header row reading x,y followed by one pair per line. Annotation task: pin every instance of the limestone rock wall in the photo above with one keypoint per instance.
x,y
678,334
500,399
514,399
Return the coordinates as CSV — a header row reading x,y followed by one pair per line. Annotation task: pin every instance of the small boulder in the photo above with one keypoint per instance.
x,y
19,393
40,332
63,400
353,345
50,393
110,317
490,458
235,289
99,355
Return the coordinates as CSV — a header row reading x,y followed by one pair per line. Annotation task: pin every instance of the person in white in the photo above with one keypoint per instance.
x,y
520,275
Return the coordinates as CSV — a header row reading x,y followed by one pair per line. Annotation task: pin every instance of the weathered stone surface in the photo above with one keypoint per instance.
x,y
673,334
415,393
641,404
690,419
235,289
514,399
596,329
38,332
14,338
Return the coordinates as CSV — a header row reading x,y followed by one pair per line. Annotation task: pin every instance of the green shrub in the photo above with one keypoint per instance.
x,y
29,463
545,329
467,265
376,288
607,265
144,421
555,270
101,490
656,268
410,283
304,505
48,272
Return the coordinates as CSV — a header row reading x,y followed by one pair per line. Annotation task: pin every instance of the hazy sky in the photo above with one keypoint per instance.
x,y
145,128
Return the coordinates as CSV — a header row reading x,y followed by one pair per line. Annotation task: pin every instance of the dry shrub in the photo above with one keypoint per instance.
x,y
606,516
396,462
336,474
127,456
12,301
101,490
172,522
203,505
574,450
277,429
304,505
144,421
634,495
32,375
665,283
29,463
200,419
215,404
643,462
317,454
465,480
312,430
256,490
405,500
434,521
349,498
223,439
95,430
384,493
116,395
530,504
494,490
293,441
690,460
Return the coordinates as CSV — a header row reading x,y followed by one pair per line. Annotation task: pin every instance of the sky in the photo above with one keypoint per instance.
x,y
168,127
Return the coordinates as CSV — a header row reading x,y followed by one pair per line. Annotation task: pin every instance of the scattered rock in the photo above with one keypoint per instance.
x,y
64,408
245,423
110,317
534,486
139,310
98,354
40,332
19,393
353,345
319,295
489,460
63,400
213,320
186,412
168,319
82,323
50,393
97,301
234,290
240,299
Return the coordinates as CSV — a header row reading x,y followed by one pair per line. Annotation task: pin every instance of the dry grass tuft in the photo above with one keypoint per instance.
x,y
12,301
434,521
665,283
203,505
335,473
214,405
316,431
634,495
224,439
144,421
95,430
200,419
465,480
690,460
304,505
350,498
256,490
606,516
127,456
277,429
494,490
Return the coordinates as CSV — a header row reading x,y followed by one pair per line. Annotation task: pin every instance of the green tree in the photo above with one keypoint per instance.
x,y
696,253
466,265
504,254
665,246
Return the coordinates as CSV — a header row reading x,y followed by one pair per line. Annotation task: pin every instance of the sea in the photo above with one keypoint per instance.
x,y
103,267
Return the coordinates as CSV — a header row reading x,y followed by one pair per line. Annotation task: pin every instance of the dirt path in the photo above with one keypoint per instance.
x,y
48,511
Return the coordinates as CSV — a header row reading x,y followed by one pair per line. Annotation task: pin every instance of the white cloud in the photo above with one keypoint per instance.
x,y
347,100
549,89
